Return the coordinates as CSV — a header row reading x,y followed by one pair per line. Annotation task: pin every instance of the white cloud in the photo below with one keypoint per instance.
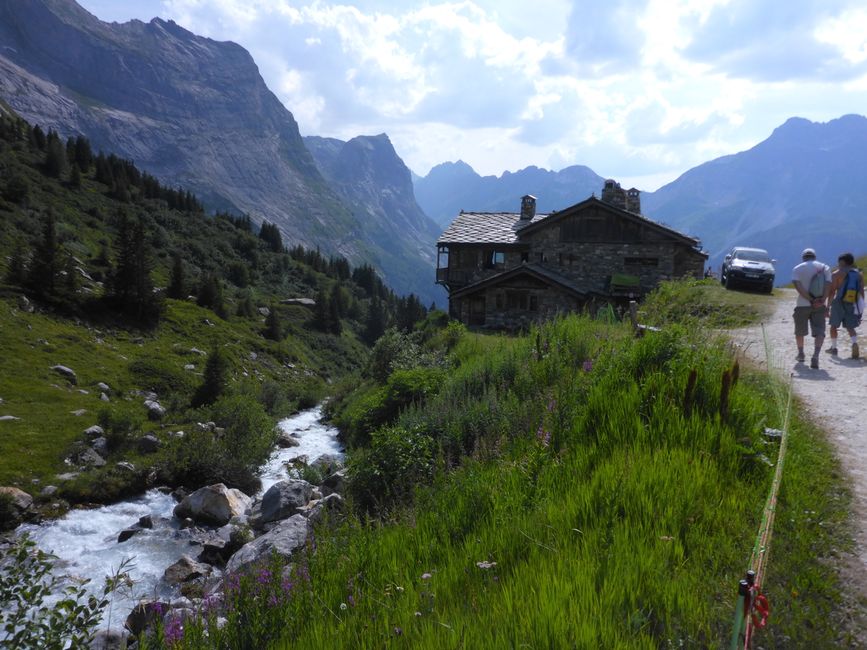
x,y
632,88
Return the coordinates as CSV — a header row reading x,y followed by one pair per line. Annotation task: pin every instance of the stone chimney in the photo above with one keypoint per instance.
x,y
528,207
633,200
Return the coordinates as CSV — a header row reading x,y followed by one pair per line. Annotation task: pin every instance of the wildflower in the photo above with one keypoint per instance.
x,y
272,600
174,630
350,600
543,435
397,631
587,365
484,564
264,577
417,614
426,576
552,404
342,607
399,589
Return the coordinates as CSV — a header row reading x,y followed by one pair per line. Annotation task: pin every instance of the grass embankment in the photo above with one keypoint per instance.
x,y
572,488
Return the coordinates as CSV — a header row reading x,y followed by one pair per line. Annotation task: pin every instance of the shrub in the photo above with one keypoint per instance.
x,y
26,580
120,422
397,459
232,457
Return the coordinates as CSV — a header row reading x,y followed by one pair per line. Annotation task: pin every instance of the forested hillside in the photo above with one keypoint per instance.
x,y
129,285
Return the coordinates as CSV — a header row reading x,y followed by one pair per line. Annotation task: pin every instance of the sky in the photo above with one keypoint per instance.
x,y
637,90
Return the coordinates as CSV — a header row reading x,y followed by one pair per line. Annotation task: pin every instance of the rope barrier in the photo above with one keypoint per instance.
x,y
753,609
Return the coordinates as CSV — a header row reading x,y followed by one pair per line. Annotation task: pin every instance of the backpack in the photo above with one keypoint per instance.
x,y
817,282
849,293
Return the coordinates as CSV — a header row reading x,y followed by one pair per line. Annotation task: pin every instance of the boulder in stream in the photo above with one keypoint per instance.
x,y
283,499
284,539
213,504
186,569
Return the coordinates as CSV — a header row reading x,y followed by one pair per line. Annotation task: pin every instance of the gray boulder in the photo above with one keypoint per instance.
x,y
127,533
88,457
284,539
69,373
148,444
286,440
100,446
331,505
328,463
105,388
335,482
145,615
94,432
155,410
186,569
21,501
213,504
283,499
110,640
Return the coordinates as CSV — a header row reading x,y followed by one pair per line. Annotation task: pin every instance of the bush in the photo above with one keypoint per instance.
x,y
387,472
232,457
120,422
26,580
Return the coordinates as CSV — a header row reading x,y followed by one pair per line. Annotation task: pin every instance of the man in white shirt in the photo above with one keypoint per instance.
x,y
810,278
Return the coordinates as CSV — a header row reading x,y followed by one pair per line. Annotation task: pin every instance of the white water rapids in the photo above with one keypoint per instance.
x,y
85,541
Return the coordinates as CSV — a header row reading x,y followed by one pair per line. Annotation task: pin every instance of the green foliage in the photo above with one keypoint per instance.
x,y
215,379
703,302
273,327
8,514
231,456
159,375
120,421
27,621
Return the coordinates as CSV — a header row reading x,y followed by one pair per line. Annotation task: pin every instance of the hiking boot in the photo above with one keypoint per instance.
x,y
800,358
814,362
832,351
855,352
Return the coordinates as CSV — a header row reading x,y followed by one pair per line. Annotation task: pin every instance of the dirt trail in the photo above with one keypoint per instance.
x,y
834,396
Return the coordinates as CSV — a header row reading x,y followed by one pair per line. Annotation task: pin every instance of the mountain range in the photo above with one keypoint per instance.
x,y
197,113
804,186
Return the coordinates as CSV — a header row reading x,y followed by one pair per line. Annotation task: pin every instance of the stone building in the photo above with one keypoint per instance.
x,y
504,270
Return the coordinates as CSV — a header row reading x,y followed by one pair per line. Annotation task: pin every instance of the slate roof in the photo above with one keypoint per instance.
x,y
486,228
504,227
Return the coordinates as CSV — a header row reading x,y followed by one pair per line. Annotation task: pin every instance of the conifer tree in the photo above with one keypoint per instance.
x,y
43,275
273,327
177,284
246,308
131,283
55,156
215,379
374,324
75,177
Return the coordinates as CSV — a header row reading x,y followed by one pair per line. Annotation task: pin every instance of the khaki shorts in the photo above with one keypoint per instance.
x,y
815,316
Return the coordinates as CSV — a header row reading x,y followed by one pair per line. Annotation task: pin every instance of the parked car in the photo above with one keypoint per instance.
x,y
748,267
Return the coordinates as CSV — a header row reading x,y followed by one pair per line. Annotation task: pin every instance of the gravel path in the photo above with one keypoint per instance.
x,y
834,396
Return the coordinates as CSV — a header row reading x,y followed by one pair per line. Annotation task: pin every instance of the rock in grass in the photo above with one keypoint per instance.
x,y
8,418
94,432
100,446
148,444
156,411
69,373
21,501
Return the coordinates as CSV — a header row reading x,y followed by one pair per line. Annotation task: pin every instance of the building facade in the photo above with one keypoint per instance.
x,y
507,270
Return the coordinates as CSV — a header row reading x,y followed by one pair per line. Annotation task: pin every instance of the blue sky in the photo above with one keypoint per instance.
x,y
638,90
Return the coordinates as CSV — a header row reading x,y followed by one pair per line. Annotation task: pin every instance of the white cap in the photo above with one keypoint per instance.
x,y
808,252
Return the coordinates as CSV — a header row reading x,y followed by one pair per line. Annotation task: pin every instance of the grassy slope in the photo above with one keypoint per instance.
x,y
101,347
629,529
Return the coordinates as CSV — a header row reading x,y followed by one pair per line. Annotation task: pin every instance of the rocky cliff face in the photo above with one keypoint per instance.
x,y
192,111
369,175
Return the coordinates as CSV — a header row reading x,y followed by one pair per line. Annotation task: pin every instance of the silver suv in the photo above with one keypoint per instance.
x,y
748,267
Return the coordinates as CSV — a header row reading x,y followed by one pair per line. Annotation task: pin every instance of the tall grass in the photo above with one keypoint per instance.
x,y
580,496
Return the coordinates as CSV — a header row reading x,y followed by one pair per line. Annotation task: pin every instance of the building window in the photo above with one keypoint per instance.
x,y
516,300
638,263
494,259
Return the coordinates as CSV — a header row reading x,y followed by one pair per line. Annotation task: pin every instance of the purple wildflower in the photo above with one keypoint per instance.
x,y
264,576
543,435
350,600
587,365
174,630
552,404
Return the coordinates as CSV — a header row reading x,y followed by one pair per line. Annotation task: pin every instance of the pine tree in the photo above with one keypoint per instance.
x,y
75,177
55,156
374,324
246,308
273,328
214,381
177,284
131,283
43,275
211,295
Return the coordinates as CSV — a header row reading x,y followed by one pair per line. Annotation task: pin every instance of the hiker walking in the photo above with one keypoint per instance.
x,y
812,281
847,285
